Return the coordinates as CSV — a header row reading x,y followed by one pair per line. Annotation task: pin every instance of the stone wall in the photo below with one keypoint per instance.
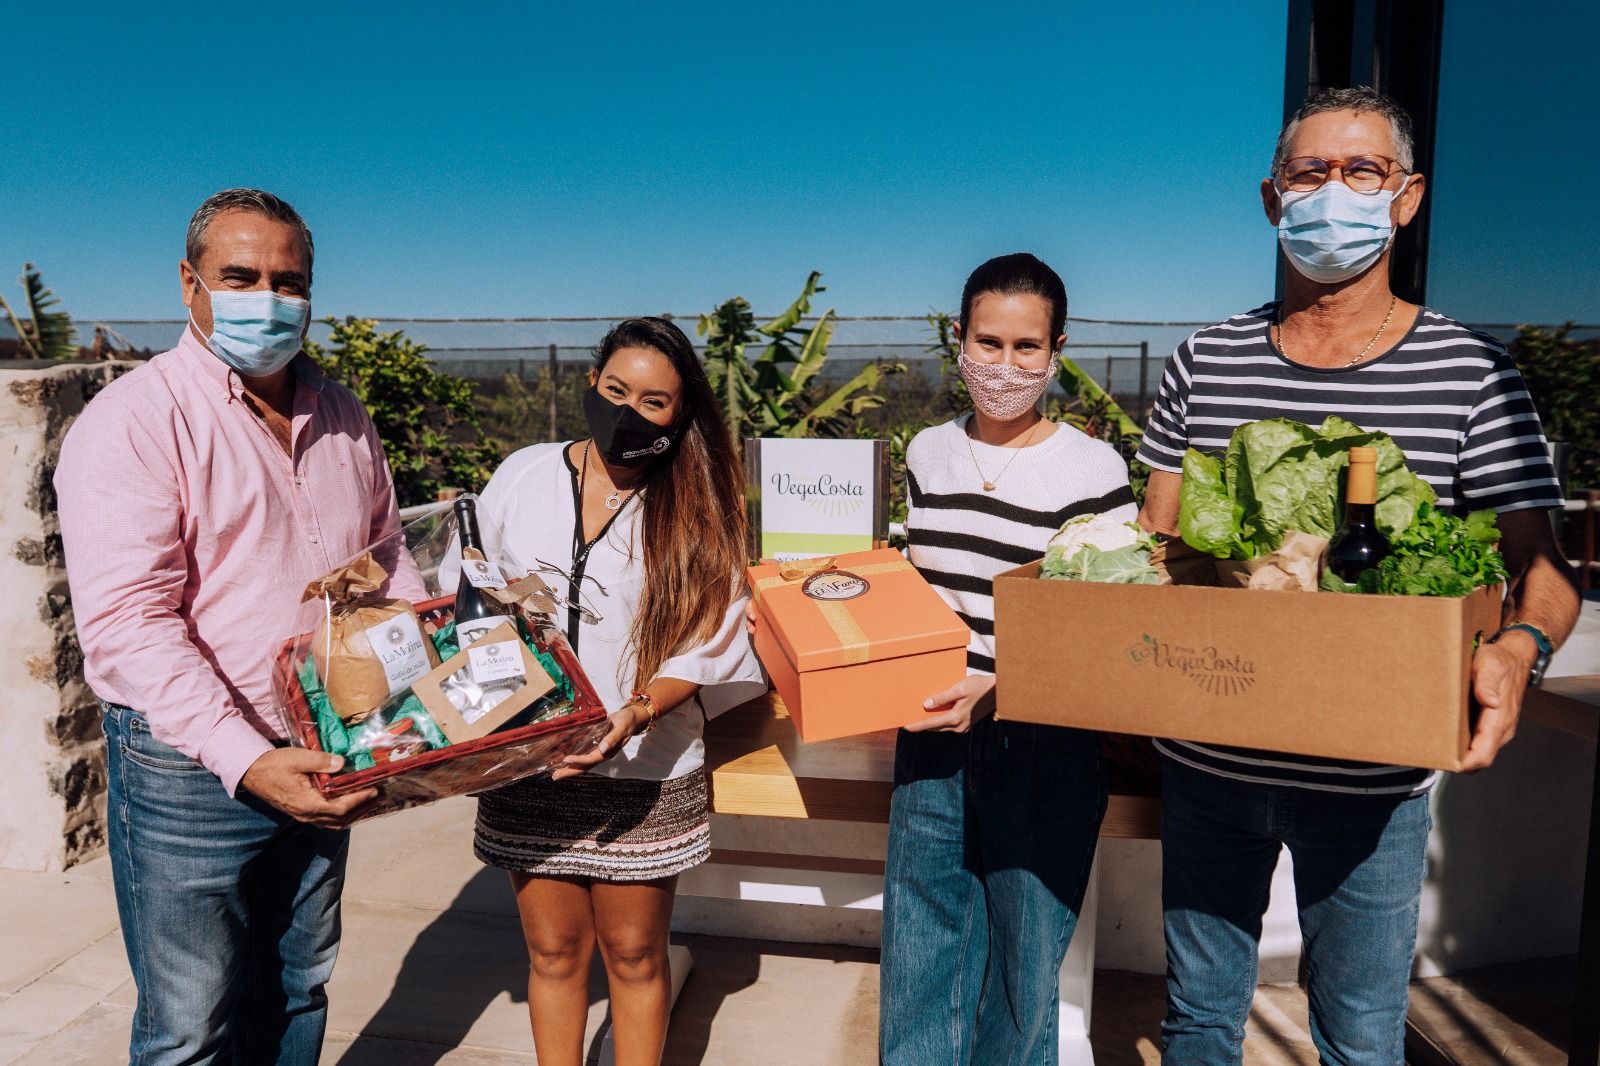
x,y
52,753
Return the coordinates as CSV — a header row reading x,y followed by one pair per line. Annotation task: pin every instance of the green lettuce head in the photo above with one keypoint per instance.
x,y
1279,475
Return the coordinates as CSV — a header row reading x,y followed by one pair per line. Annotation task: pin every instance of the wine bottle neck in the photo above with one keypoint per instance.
x,y
1361,484
467,527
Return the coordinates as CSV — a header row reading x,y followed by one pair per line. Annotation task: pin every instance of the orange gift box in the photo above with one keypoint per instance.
x,y
856,643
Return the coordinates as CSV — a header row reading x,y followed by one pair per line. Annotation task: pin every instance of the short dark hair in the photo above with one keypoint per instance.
x,y
1018,274
1357,98
256,201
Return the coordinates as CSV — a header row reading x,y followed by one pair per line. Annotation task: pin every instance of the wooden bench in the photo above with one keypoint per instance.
x,y
805,824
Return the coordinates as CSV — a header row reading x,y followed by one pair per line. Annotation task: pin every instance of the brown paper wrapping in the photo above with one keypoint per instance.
x,y
1295,567
529,593
351,672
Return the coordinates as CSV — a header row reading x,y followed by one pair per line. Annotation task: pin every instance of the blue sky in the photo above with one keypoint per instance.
x,y
531,159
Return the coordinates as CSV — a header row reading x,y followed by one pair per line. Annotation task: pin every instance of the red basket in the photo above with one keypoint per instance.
x,y
460,769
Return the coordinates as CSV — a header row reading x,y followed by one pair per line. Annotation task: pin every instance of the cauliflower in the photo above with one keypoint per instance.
x,y
1098,548
1098,531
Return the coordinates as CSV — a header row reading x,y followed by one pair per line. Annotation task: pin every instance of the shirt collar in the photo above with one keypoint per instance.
x,y
307,374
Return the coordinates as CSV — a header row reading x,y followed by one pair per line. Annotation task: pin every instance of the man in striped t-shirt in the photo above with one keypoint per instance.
x,y
1340,343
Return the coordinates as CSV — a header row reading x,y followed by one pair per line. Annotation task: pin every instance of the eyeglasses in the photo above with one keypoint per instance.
x,y
1365,174
585,612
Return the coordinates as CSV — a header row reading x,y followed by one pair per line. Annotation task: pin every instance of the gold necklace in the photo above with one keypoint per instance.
x,y
990,482
1278,325
614,501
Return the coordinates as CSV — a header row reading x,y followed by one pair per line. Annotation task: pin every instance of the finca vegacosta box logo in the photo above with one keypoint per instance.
x,y
1214,671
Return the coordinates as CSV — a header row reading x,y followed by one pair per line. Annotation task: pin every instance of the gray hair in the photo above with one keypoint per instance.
x,y
256,201
1360,98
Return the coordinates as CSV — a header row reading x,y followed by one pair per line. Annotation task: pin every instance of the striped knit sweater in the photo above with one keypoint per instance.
x,y
960,536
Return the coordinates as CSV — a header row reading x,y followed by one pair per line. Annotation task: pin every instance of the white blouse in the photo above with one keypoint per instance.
x,y
528,516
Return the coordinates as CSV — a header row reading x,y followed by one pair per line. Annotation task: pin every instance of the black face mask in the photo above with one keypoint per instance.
x,y
624,436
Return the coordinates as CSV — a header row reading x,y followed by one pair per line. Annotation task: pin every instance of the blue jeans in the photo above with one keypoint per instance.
x,y
1358,869
229,910
991,836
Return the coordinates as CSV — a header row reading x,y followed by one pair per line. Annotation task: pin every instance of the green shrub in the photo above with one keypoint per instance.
x,y
516,413
1563,376
425,417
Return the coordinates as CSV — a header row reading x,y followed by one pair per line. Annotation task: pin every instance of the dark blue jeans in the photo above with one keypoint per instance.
x,y
229,910
991,837
1358,869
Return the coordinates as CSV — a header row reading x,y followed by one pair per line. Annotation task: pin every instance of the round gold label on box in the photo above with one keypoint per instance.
x,y
835,585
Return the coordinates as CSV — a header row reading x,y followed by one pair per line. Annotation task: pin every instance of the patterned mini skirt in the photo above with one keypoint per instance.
x,y
605,828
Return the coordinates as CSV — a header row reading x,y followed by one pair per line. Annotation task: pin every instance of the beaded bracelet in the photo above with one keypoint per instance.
x,y
649,703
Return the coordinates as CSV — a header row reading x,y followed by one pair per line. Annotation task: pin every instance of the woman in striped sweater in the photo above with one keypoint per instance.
x,y
993,824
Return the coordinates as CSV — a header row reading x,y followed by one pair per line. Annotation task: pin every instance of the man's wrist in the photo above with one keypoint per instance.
x,y
1533,650
1520,643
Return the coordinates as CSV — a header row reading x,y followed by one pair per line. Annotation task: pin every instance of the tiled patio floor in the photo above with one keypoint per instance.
x,y
432,972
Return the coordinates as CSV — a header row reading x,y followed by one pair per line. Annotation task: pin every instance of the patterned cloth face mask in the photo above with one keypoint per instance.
x,y
1004,391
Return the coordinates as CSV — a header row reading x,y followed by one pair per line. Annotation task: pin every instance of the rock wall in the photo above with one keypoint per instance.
x,y
52,753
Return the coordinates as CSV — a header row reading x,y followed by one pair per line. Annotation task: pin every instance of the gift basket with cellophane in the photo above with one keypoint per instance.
x,y
375,671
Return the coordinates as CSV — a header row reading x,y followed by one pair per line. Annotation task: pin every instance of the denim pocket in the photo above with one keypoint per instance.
x,y
143,748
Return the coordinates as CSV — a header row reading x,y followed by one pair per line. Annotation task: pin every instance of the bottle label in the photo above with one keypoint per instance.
x,y
482,574
398,644
473,629
499,660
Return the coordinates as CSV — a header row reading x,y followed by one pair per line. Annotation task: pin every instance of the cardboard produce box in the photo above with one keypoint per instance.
x,y
1384,679
857,646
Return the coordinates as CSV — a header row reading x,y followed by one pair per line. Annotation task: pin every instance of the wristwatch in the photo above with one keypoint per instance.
x,y
1546,648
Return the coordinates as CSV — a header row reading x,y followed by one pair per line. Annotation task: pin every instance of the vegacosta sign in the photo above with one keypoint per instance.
x,y
811,498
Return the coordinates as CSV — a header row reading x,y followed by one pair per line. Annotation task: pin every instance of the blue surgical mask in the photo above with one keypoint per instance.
x,y
1333,233
257,333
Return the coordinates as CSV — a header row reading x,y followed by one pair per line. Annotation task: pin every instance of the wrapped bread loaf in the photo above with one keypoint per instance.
x,y
367,648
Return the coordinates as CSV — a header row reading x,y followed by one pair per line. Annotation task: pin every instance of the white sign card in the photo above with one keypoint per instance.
x,y
816,497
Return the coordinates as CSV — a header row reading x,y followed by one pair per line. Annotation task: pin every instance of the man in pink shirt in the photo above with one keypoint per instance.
x,y
198,495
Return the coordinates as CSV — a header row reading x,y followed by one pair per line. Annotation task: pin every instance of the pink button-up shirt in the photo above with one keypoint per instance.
x,y
190,536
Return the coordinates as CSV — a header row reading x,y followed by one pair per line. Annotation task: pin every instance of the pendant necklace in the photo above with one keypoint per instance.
x,y
614,501
989,483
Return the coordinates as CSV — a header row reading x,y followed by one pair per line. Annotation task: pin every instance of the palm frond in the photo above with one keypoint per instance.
x,y
52,334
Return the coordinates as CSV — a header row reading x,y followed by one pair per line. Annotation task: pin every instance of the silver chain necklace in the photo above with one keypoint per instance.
x,y
614,501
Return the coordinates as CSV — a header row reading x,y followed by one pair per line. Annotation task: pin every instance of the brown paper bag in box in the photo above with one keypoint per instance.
x,y
367,648
1295,567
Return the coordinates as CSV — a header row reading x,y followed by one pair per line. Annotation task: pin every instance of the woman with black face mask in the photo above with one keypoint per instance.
x,y
642,528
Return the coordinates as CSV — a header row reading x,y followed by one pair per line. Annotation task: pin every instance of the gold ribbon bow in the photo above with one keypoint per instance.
x,y
800,569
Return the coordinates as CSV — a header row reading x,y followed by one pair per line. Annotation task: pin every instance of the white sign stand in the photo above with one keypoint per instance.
x,y
810,498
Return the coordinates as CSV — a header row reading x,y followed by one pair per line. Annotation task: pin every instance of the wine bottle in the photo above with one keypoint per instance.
x,y
1359,545
475,614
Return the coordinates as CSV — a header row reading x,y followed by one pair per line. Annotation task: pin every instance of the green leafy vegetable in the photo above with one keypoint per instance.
x,y
1439,554
1208,519
1280,475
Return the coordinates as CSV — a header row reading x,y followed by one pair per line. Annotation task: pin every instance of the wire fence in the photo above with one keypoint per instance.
x,y
1124,356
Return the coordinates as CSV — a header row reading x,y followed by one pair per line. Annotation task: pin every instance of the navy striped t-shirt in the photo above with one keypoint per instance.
x,y
1449,396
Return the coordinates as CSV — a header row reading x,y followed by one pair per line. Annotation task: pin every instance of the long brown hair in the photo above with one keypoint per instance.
x,y
694,525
